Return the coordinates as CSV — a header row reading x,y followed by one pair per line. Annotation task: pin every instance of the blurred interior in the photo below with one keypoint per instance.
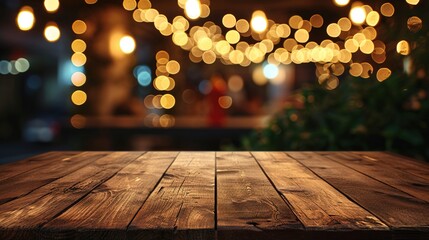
x,y
143,75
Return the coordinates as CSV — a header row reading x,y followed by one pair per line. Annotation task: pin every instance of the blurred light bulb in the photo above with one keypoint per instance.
x,y
403,47
259,21
193,9
413,2
78,97
51,5
25,18
52,32
341,2
271,71
358,15
127,44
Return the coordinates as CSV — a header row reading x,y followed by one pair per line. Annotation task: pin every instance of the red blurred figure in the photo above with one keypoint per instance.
x,y
216,113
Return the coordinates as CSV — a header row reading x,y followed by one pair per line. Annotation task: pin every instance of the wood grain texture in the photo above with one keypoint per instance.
x,y
107,211
208,195
395,208
386,173
22,184
12,169
402,163
182,205
43,204
247,203
318,205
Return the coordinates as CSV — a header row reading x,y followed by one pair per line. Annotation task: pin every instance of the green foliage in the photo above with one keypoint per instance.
x,y
361,114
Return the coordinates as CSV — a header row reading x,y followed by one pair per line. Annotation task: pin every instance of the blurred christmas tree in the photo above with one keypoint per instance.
x,y
362,113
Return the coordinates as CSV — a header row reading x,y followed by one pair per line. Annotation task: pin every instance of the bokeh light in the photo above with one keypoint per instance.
x,y
229,20
52,32
167,101
271,71
414,24
259,21
383,74
333,30
78,79
413,2
78,121
316,20
225,102
78,97
129,5
25,18
78,45
235,83
372,18
403,47
387,9
341,2
22,65
127,44
232,37
79,27
358,15
161,83
193,9
51,5
242,26
78,59
173,67
302,36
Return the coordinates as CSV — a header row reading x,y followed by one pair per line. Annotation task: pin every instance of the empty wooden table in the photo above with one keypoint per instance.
x,y
214,195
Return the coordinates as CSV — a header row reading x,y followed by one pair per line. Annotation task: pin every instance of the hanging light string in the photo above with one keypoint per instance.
x,y
207,43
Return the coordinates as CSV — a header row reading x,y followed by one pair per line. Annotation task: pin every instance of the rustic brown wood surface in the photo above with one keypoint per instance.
x,y
214,195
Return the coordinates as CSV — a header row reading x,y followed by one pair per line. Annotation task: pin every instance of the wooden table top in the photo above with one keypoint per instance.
x,y
215,195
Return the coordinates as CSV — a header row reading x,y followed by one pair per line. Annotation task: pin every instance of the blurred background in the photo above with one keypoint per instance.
x,y
213,75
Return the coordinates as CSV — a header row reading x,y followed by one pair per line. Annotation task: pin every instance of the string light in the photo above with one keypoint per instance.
x,y
52,32
358,15
127,44
403,47
341,3
51,5
259,21
207,43
78,97
193,9
413,2
25,18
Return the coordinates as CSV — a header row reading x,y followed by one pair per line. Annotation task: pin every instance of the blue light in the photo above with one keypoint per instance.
x,y
141,68
4,67
144,79
66,70
271,71
205,87
143,74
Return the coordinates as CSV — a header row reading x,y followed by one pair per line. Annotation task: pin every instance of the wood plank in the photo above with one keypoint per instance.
x,y
182,205
395,208
405,164
22,217
317,204
248,205
22,184
12,169
107,211
409,183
